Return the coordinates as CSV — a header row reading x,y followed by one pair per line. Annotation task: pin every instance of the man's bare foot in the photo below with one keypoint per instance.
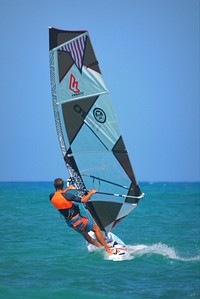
x,y
110,251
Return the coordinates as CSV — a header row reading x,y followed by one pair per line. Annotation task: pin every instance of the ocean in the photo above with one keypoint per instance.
x,y
40,257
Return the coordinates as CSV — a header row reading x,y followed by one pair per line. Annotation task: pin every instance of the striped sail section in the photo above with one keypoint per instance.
x,y
76,49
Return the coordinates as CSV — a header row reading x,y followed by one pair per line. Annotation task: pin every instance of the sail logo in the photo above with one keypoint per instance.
x,y
99,115
73,84
80,111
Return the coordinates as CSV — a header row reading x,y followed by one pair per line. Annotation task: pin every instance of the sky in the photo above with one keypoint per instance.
x,y
148,51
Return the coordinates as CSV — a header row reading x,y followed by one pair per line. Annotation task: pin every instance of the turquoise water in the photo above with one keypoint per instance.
x,y
40,257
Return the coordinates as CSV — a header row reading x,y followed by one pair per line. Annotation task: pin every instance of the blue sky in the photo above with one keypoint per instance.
x,y
148,52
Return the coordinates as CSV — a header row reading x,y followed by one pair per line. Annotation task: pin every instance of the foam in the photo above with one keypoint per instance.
x,y
139,250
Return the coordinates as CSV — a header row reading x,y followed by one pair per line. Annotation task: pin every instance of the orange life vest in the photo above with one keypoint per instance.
x,y
66,207
59,201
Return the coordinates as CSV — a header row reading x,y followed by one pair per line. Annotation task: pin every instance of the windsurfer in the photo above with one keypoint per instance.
x,y
63,201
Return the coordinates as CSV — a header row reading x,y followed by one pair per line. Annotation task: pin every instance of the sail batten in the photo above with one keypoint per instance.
x,y
83,97
88,130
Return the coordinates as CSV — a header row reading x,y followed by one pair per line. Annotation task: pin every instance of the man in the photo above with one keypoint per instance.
x,y
63,201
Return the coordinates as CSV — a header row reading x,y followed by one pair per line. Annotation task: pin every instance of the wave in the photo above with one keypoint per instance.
x,y
158,248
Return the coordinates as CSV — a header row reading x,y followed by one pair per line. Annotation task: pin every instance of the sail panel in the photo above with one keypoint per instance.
x,y
76,85
88,129
73,111
59,37
103,123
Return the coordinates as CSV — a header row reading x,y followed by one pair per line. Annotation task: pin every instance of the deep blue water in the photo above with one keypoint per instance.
x,y
40,257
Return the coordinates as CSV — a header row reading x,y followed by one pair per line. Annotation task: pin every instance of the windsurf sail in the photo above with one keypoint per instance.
x,y
88,130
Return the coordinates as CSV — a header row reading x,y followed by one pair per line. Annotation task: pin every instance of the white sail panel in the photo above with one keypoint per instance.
x,y
102,121
75,84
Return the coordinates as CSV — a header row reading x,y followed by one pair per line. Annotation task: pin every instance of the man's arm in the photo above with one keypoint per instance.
x,y
69,188
75,198
71,197
87,197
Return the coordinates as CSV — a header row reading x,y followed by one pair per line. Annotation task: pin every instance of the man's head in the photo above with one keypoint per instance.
x,y
58,184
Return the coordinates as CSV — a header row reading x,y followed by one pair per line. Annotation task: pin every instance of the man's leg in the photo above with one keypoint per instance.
x,y
90,239
100,238
95,228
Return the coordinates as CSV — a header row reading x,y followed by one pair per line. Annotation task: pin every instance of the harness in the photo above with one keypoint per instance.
x,y
70,212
